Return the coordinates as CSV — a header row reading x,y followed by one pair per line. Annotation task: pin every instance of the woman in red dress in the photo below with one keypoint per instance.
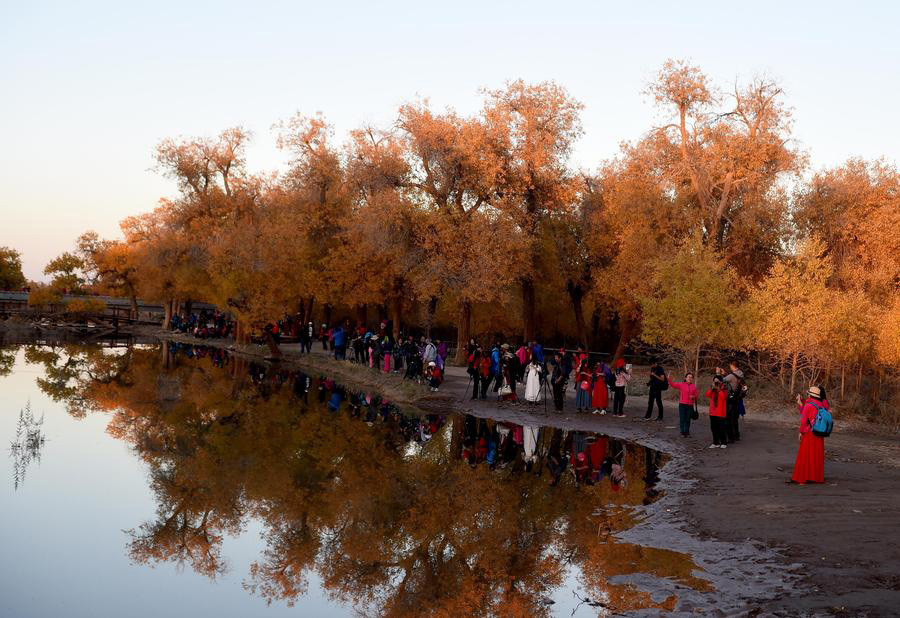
x,y
810,464
600,398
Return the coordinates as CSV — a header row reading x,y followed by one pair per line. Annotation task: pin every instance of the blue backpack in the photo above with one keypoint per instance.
x,y
824,422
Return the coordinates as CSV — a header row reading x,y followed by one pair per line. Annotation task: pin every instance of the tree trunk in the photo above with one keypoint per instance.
x,y
327,308
167,315
463,330
241,333
629,328
794,371
274,351
528,310
188,307
576,295
362,314
595,329
697,363
309,309
430,310
134,308
396,312
382,313
843,370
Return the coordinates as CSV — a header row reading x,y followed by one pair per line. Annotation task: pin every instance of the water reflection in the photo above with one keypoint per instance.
x,y
396,514
27,444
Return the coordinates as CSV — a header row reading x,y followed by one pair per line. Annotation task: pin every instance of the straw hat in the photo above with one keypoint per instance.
x,y
814,392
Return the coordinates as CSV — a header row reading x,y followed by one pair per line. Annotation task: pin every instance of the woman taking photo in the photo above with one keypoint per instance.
x,y
810,464
622,377
718,400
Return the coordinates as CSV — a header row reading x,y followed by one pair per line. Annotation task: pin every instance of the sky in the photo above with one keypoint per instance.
x,y
87,89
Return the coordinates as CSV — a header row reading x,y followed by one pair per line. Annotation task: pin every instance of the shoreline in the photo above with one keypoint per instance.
x,y
767,548
731,509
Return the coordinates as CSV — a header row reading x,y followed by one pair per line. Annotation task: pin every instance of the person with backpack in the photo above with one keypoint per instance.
x,y
734,381
687,402
816,424
658,383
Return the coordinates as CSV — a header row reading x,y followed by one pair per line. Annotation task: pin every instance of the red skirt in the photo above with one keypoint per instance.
x,y
601,395
810,464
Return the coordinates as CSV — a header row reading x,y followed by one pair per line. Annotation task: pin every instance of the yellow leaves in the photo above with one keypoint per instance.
x,y
11,276
80,306
695,302
43,296
855,209
888,328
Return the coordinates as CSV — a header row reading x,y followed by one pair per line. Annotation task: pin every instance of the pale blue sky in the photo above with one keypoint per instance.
x,y
87,88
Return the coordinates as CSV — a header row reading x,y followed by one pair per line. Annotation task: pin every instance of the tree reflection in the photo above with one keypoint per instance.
x,y
397,515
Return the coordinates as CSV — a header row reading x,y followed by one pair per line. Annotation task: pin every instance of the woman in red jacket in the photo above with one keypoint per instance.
x,y
810,464
718,400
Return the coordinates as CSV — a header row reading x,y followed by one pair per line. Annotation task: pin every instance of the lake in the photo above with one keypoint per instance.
x,y
163,479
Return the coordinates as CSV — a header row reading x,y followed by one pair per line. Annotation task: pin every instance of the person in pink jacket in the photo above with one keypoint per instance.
x,y
687,400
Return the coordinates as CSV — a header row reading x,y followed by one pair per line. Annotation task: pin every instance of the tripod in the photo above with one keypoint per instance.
x,y
542,392
466,392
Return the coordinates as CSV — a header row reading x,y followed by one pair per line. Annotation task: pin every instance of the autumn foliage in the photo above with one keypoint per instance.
x,y
707,235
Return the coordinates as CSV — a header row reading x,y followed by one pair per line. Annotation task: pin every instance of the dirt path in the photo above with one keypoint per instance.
x,y
771,548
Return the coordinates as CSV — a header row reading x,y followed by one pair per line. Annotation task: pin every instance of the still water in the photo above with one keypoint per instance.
x,y
161,480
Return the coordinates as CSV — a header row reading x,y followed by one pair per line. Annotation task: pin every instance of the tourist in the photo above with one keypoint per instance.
x,y
658,383
495,366
429,352
558,383
387,351
583,385
810,464
507,391
533,376
339,336
734,380
523,358
537,351
718,402
622,377
603,377
484,372
434,375
687,402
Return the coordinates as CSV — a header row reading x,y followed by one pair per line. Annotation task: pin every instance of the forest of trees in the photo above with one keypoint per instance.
x,y
707,233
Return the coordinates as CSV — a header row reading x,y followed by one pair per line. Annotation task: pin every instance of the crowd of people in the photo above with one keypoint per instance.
x,y
501,369
584,457
203,325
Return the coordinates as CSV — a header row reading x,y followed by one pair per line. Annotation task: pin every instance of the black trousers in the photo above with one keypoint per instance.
x,y
484,381
718,426
559,395
733,417
618,400
656,396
